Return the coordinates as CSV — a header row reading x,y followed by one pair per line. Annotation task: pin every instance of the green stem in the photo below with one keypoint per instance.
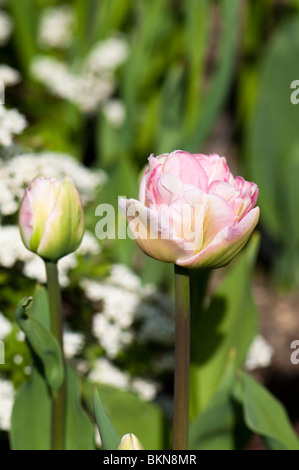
x,y
182,359
58,399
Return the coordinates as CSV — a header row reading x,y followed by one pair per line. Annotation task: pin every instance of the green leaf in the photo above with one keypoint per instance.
x,y
31,415
110,438
42,342
266,416
220,426
215,98
229,322
79,428
123,407
272,141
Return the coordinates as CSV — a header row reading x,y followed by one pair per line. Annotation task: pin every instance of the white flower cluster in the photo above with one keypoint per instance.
x,y
6,27
259,355
17,173
9,76
73,343
12,250
5,326
6,403
11,123
105,372
93,84
125,301
56,27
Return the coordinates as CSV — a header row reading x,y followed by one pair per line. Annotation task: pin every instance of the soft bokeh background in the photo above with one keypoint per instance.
x,y
92,88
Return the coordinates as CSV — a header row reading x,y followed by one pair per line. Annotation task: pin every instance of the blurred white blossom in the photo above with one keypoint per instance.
x,y
107,55
6,403
11,123
56,27
17,173
259,355
88,86
115,112
73,343
105,372
6,27
5,326
9,76
124,301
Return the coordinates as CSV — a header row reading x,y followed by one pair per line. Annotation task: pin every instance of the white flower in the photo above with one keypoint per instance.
x,y
107,55
17,173
115,112
5,326
90,83
106,373
6,403
124,300
9,76
259,355
72,343
146,389
6,27
56,27
85,90
11,123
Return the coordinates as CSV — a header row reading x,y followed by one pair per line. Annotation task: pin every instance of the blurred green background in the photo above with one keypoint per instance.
x,y
109,82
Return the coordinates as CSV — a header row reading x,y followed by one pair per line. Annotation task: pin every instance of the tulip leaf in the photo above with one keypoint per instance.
x,y
110,438
266,416
122,407
221,425
42,342
31,415
230,321
79,433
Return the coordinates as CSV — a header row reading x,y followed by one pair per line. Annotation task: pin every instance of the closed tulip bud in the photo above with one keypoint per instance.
x,y
130,442
51,218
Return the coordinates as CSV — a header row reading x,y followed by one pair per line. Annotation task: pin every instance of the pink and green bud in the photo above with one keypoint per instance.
x,y
130,442
51,218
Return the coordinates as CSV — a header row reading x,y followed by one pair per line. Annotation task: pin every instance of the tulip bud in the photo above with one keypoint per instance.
x,y
130,442
51,218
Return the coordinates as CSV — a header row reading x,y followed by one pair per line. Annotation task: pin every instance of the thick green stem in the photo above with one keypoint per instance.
x,y
182,359
58,400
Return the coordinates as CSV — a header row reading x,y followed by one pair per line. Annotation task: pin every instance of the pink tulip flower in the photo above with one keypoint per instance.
x,y
191,210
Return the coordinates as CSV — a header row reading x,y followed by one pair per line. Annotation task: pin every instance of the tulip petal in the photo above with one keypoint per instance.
x,y
225,245
152,232
26,219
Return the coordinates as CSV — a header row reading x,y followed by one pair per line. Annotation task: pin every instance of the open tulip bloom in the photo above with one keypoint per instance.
x,y
191,212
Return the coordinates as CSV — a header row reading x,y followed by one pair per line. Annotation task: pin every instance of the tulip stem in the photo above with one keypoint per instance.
x,y
58,399
182,359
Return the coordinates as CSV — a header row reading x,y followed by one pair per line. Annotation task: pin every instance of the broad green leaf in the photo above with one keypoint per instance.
x,y
25,30
220,426
109,437
79,427
266,416
219,87
272,140
229,322
130,414
43,344
31,415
